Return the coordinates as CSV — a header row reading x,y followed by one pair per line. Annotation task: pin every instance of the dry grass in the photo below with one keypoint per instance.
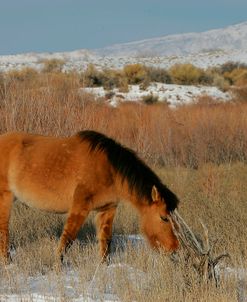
x,y
199,151
188,136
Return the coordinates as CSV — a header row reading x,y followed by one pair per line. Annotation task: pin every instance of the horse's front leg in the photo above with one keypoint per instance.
x,y
72,226
76,217
6,199
104,221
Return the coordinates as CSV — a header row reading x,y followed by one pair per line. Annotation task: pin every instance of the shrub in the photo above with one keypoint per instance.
x,y
185,74
207,77
113,78
230,66
135,73
53,65
236,76
123,84
220,82
150,99
160,75
109,79
91,77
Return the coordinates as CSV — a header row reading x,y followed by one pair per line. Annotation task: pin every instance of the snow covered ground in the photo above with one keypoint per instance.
x,y
80,59
42,289
174,94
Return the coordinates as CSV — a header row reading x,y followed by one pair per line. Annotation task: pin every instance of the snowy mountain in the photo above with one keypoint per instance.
x,y
211,48
233,37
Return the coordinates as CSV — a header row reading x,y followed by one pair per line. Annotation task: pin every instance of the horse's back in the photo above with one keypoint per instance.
x,y
44,171
8,142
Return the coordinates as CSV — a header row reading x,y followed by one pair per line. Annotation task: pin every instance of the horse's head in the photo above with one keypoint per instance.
x,y
157,222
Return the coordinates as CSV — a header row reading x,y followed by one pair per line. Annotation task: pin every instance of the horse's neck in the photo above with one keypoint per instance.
x,y
129,196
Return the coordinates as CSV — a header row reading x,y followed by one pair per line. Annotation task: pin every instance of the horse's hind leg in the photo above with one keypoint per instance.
x,y
6,198
104,221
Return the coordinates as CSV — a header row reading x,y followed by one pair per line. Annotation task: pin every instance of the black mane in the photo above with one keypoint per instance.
x,y
131,168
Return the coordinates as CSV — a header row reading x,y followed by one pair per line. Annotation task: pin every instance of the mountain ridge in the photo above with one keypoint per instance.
x,y
232,37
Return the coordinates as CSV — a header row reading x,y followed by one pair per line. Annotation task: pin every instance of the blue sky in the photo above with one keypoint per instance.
x,y
63,25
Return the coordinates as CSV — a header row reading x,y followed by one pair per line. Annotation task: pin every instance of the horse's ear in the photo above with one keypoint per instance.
x,y
155,194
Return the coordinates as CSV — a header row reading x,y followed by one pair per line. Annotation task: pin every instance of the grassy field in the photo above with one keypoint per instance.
x,y
199,151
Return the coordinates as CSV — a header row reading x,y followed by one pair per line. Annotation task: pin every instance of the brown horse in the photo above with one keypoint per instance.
x,y
75,175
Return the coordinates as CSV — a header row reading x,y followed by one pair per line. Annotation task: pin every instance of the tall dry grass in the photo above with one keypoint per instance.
x,y
189,136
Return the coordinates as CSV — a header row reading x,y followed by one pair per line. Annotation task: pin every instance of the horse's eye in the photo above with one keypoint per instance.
x,y
165,219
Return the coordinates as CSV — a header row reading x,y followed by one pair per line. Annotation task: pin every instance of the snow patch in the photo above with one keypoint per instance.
x,y
173,94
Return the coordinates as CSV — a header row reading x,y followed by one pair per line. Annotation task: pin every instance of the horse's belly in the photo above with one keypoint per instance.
x,y
43,199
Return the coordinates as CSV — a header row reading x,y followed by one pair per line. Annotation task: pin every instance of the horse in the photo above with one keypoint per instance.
x,y
88,171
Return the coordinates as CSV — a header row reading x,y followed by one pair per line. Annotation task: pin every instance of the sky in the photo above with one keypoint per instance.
x,y
66,25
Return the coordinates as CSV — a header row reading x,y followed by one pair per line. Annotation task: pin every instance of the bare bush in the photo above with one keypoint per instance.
x,y
200,251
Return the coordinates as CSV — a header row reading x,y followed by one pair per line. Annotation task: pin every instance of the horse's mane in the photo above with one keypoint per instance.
x,y
130,167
